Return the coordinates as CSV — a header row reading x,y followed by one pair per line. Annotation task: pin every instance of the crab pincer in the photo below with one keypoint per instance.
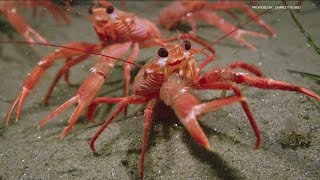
x,y
90,87
46,62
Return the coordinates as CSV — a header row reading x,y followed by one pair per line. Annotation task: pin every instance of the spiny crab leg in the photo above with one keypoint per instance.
x,y
37,72
90,87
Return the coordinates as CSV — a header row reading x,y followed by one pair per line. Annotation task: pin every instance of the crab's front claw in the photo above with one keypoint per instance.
x,y
84,96
32,79
90,87
28,85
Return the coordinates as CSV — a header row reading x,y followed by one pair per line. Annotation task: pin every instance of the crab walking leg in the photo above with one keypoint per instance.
x,y
187,108
127,69
67,73
146,127
43,65
100,100
246,9
226,27
248,67
124,102
64,71
267,83
244,104
242,65
91,86
253,81
55,11
23,28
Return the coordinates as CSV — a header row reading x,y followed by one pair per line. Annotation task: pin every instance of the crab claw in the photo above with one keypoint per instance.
x,y
29,83
86,93
34,76
90,87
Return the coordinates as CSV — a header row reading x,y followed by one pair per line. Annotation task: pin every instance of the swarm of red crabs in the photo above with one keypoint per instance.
x,y
169,76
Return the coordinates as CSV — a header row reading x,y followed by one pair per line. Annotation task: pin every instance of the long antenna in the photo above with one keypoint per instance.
x,y
238,27
64,47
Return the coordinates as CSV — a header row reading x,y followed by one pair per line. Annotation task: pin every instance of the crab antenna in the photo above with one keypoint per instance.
x,y
238,27
54,45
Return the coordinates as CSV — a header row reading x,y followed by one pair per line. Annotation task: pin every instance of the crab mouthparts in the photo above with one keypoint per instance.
x,y
175,63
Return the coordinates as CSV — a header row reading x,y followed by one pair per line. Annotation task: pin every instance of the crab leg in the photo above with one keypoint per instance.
x,y
268,83
244,104
247,67
220,80
22,27
127,69
64,71
146,124
187,107
37,72
246,79
9,9
244,66
226,27
55,11
124,102
91,86
246,9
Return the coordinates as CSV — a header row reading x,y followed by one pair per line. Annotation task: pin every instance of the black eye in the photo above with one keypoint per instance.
x,y
162,52
110,9
187,45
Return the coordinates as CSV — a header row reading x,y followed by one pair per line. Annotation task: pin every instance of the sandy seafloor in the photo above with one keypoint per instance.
x,y
28,153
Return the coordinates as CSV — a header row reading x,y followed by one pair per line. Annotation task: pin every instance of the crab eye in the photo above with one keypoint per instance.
x,y
162,52
187,45
110,9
